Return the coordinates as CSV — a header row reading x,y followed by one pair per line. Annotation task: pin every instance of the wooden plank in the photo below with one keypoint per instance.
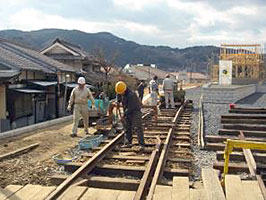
x,y
9,190
162,192
220,147
246,133
250,127
242,117
223,138
18,151
259,157
249,157
233,188
27,192
136,161
73,193
2,194
170,172
100,194
125,195
253,166
247,110
261,185
122,157
43,193
103,182
183,160
251,190
243,121
233,167
197,194
180,188
181,145
212,185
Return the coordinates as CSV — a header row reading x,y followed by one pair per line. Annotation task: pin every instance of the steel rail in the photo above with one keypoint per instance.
x,y
88,166
162,160
146,178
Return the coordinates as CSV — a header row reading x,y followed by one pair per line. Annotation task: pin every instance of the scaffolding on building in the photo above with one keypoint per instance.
x,y
247,60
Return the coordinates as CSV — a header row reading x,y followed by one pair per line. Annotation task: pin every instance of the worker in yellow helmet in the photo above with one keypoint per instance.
x,y
132,113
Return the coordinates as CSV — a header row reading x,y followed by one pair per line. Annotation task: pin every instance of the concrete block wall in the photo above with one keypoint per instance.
x,y
227,94
34,127
261,88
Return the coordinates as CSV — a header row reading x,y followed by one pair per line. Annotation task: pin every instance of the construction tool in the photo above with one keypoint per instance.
x,y
112,121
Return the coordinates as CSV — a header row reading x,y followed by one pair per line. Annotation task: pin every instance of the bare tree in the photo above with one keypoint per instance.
x,y
104,63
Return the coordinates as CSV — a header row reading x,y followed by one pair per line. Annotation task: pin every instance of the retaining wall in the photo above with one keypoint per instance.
x,y
261,88
34,127
230,94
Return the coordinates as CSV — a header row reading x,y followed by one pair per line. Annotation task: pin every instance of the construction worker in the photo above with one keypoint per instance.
x,y
79,97
141,88
132,113
182,94
168,88
154,91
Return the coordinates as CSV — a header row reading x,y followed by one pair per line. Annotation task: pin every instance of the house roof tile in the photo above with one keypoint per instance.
x,y
22,58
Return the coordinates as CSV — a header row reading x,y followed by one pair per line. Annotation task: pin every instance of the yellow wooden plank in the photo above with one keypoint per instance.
x,y
10,190
162,192
252,190
197,194
100,194
233,188
73,193
126,195
180,188
212,185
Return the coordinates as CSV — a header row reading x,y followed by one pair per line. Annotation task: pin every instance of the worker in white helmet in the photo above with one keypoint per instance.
x,y
79,97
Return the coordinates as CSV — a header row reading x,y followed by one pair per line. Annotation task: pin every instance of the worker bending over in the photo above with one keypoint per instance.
x,y
168,88
154,91
132,113
79,97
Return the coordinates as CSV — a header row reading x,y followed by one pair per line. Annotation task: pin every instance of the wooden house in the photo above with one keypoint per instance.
x,y
31,86
73,55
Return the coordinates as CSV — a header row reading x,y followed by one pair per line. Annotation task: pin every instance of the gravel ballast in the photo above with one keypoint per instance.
x,y
212,117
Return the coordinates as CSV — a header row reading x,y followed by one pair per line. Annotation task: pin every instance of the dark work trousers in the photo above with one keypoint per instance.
x,y
140,96
134,124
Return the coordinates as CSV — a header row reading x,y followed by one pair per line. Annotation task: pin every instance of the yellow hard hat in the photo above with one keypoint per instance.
x,y
120,87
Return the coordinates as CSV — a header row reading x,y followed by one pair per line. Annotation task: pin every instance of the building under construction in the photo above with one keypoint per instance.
x,y
247,62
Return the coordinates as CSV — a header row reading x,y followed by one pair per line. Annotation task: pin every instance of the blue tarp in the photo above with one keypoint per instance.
x,y
100,104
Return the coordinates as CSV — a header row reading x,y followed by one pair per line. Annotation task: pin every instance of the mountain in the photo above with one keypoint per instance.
x,y
167,58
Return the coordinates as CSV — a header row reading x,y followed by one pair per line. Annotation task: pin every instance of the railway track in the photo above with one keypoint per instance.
x,y
243,124
132,173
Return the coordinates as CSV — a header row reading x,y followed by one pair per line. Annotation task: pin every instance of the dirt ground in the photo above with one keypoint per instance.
x,y
36,166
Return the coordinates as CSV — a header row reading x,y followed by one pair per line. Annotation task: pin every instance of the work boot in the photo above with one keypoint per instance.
x,y
73,135
127,145
142,147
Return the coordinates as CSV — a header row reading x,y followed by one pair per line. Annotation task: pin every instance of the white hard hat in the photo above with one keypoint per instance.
x,y
81,80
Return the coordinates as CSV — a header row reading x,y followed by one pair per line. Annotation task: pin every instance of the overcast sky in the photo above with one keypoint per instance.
x,y
176,23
